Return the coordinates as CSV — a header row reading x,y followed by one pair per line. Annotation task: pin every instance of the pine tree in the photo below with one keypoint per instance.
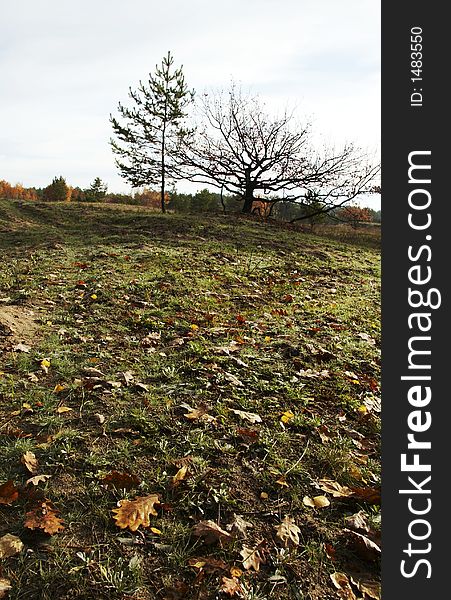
x,y
97,191
148,132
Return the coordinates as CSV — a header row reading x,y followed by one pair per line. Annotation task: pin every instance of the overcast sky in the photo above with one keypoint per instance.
x,y
65,65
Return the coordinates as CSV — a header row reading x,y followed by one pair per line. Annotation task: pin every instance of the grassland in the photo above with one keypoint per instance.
x,y
129,339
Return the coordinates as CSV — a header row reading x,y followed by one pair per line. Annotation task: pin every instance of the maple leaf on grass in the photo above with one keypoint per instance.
x,y
8,493
44,516
210,532
133,513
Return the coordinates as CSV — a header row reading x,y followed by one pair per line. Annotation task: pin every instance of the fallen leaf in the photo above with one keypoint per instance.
x,y
334,488
63,409
370,494
180,475
121,481
100,418
10,545
21,348
363,546
287,416
311,374
367,338
45,364
358,522
316,502
93,372
208,564
341,582
231,586
30,462
133,513
369,587
235,572
58,388
210,532
128,377
44,516
200,414
252,558
248,416
288,532
238,526
282,481
37,479
232,379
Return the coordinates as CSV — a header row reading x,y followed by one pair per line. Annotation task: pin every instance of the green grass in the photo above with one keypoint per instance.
x,y
124,289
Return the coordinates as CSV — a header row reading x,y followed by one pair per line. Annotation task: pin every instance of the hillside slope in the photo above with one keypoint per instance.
x,y
225,370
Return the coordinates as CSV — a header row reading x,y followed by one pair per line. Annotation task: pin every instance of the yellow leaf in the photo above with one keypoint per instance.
x,y
94,296
45,364
287,416
58,388
362,409
235,572
264,496
282,481
180,475
267,338
155,531
194,327
63,409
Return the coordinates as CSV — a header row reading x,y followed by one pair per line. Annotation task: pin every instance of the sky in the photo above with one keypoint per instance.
x,y
65,65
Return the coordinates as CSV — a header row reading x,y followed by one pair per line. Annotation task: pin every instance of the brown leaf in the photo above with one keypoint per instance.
x,y
238,526
8,493
370,495
30,462
252,558
121,481
231,586
363,546
199,414
288,532
44,516
366,586
10,545
210,532
341,582
133,513
37,479
248,416
93,372
180,475
128,377
334,488
358,522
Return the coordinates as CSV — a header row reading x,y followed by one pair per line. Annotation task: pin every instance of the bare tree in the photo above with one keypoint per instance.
x,y
240,148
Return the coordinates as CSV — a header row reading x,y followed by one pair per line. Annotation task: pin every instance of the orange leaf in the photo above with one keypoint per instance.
x,y
44,516
231,586
8,493
133,513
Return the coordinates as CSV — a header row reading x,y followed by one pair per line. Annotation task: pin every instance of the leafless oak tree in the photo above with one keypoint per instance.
x,y
241,149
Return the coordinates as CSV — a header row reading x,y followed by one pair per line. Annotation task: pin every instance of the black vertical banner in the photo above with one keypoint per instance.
x,y
416,432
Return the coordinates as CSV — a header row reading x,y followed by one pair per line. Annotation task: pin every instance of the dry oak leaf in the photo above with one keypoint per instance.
x,y
133,513
5,586
288,532
37,479
334,488
231,586
30,462
248,416
238,526
358,522
370,494
210,532
252,558
121,481
10,545
208,564
199,414
341,582
44,516
8,493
